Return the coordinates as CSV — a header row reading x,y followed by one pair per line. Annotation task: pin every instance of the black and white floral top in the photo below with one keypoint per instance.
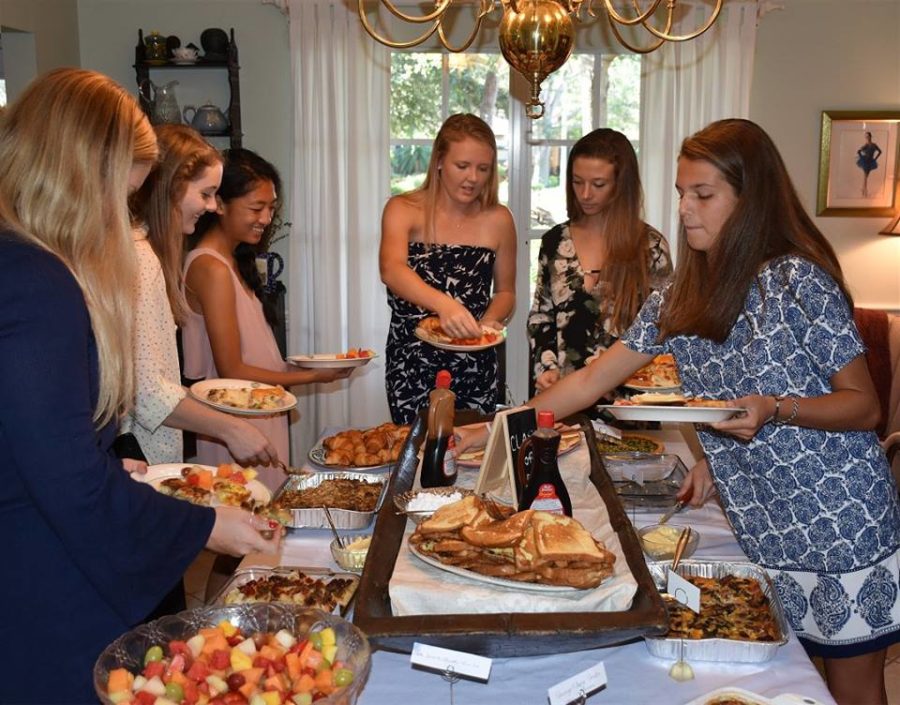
x,y
568,326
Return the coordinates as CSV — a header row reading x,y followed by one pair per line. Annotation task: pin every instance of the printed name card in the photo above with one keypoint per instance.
x,y
684,591
460,663
579,686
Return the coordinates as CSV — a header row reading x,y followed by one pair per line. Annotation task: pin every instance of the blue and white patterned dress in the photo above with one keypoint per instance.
x,y
818,509
465,272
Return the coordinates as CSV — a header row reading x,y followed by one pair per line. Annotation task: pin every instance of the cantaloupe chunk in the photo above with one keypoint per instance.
x,y
120,680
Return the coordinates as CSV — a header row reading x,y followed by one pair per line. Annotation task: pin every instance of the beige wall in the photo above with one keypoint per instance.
x,y
108,30
54,24
820,55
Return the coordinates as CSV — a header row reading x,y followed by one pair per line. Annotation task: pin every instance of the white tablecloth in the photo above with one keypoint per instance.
x,y
634,676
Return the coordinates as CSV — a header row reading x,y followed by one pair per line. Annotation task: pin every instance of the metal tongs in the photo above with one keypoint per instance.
x,y
337,536
681,545
679,505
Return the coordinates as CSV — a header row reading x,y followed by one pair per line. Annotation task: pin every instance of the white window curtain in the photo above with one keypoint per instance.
x,y
687,85
341,81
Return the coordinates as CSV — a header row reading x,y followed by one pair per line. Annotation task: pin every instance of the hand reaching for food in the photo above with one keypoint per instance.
x,y
457,321
469,437
698,485
238,532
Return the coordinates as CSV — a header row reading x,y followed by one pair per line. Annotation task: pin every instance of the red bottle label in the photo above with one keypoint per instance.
x,y
450,457
547,500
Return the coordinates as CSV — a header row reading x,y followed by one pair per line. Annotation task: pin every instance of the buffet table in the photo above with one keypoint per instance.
x,y
634,676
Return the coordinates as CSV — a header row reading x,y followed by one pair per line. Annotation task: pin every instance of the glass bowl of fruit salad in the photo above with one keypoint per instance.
x,y
266,653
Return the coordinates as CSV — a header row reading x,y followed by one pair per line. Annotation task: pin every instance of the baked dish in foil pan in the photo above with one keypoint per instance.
x,y
743,622
352,498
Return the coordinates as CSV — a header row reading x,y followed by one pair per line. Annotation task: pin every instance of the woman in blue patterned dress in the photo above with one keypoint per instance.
x,y
597,268
448,249
758,313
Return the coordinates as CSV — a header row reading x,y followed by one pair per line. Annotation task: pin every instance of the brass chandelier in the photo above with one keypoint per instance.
x,y
537,36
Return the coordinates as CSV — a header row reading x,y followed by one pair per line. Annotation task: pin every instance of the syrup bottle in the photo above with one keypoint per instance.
x,y
544,489
439,466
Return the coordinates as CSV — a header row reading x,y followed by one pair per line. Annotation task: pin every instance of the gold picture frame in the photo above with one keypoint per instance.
x,y
858,163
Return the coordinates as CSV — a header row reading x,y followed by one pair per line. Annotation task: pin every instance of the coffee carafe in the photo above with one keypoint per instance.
x,y
164,104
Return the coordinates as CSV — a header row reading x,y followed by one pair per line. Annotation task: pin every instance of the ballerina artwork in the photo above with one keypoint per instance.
x,y
867,160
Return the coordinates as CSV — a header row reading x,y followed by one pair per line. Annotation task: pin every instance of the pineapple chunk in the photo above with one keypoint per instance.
x,y
240,660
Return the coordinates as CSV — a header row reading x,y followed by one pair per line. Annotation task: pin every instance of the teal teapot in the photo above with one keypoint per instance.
x,y
207,119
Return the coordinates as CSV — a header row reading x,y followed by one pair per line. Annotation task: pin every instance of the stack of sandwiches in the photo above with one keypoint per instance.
x,y
529,546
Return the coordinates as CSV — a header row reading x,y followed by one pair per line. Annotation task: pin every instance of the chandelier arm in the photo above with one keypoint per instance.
x,y
641,18
468,41
440,7
631,47
665,36
387,42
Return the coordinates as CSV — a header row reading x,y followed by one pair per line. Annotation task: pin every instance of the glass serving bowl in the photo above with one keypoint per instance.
x,y
350,558
659,541
438,494
128,650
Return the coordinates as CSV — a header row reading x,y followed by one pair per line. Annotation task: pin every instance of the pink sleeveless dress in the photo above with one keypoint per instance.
x,y
258,348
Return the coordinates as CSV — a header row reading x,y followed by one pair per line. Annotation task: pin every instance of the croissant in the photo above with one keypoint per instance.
x,y
365,459
338,457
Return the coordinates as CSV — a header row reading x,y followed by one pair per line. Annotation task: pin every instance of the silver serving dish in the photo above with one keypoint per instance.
x,y
402,500
645,479
731,650
343,518
245,575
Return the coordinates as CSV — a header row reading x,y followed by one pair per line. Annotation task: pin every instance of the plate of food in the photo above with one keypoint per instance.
x,y
228,485
531,550
659,375
689,411
243,397
569,441
318,588
354,357
371,449
429,330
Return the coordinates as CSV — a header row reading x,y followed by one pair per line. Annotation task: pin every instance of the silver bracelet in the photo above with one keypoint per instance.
x,y
795,409
774,416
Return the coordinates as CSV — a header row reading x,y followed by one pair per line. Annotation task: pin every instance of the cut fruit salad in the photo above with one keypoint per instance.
x,y
221,666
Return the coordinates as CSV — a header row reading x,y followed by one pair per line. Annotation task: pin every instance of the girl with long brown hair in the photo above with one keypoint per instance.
x,y
597,268
448,249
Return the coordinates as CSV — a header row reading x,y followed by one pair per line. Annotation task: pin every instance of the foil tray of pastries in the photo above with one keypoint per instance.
x,y
528,547
352,499
313,588
741,618
362,447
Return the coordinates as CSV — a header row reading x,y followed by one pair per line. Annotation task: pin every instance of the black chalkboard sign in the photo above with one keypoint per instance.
x,y
517,428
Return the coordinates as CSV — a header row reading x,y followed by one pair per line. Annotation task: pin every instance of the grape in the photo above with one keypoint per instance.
x,y
343,676
235,681
174,692
154,653
316,639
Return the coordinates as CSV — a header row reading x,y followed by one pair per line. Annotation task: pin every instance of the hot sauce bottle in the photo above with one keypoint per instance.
x,y
439,466
544,489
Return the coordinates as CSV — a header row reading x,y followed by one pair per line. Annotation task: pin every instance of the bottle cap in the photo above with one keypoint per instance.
x,y
442,381
545,419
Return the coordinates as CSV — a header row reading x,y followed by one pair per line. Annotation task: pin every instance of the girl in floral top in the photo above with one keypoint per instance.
x,y
596,269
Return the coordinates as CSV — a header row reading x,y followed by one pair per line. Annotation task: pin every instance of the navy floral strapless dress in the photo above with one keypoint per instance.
x,y
466,273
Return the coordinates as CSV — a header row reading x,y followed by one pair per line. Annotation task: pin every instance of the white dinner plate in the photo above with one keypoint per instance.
x,y
570,441
317,455
502,582
745,696
687,414
316,361
165,471
501,338
201,389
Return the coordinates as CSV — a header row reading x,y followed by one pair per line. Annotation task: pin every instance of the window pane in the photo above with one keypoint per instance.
x,y
479,84
548,196
623,98
409,163
567,100
415,95
534,250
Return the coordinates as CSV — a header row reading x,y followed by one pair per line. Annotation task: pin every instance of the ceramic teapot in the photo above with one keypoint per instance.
x,y
164,106
207,119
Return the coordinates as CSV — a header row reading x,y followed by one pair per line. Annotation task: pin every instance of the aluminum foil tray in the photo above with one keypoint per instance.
x,y
343,518
731,650
245,575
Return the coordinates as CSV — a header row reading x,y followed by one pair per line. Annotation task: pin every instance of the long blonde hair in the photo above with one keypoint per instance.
x,y
184,154
67,146
456,128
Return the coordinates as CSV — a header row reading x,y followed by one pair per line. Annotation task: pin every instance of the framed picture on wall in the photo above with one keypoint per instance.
x,y
858,163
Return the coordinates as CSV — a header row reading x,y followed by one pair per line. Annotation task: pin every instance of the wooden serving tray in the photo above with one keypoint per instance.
x,y
502,634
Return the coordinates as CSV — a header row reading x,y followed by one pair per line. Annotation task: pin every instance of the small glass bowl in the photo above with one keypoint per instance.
x,y
350,559
660,546
402,501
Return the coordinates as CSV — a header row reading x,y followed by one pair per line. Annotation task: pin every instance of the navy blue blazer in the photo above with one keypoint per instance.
x,y
86,552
